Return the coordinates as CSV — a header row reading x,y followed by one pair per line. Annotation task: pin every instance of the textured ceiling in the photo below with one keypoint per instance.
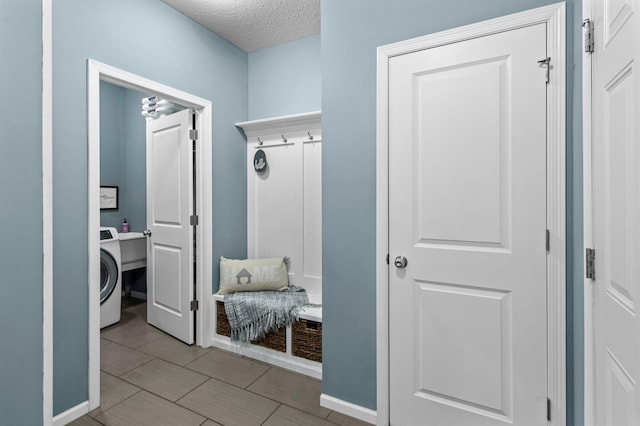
x,y
254,24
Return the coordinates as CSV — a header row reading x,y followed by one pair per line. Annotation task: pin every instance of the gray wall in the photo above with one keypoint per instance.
x,y
351,31
135,161
181,54
123,155
111,147
285,79
123,164
21,212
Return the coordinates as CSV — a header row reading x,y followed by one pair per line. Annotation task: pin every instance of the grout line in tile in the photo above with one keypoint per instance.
x,y
194,389
159,336
306,412
129,371
282,403
93,418
108,409
153,393
108,374
173,402
174,363
168,400
191,362
257,378
274,400
177,402
328,414
271,399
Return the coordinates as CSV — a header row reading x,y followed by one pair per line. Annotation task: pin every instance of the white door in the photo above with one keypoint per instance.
x,y
616,211
170,267
467,208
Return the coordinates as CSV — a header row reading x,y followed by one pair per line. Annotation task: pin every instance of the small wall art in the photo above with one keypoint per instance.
x,y
108,198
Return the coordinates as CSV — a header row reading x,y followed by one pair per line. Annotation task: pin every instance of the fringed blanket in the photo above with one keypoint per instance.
x,y
254,314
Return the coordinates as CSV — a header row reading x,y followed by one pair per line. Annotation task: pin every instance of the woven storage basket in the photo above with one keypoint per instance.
x,y
276,340
307,340
222,323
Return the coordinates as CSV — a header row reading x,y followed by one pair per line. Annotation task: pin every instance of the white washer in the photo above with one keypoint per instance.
x,y
110,276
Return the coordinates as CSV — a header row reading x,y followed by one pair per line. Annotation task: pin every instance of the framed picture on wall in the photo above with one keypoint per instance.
x,y
108,198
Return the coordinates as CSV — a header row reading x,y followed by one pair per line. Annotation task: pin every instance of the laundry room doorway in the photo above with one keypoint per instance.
x,y
178,196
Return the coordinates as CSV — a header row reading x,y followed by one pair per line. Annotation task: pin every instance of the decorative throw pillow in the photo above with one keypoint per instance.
x,y
252,275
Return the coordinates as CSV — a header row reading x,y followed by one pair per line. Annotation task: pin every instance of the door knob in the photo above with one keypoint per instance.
x,y
146,233
400,262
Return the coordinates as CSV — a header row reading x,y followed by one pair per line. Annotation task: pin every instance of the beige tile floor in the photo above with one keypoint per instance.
x,y
149,378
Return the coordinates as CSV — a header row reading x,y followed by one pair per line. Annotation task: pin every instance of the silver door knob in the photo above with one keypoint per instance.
x,y
146,233
400,262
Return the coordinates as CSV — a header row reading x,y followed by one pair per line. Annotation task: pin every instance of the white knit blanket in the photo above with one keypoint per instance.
x,y
253,314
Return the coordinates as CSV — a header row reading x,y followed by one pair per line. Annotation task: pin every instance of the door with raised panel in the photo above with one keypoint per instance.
x,y
616,210
467,209
170,263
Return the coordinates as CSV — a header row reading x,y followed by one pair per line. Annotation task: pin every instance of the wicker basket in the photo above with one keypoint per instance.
x,y
222,323
307,340
276,340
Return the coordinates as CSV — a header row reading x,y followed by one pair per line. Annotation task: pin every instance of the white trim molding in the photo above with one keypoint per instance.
x,y
71,414
367,415
382,239
47,212
587,179
279,359
97,72
554,18
264,128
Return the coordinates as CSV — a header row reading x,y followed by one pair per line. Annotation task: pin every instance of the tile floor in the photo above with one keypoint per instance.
x,y
149,378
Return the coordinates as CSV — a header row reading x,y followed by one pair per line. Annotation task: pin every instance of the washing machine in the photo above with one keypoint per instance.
x,y
110,277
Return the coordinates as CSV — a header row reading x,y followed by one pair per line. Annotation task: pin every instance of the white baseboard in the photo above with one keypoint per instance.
x,y
356,411
71,414
279,359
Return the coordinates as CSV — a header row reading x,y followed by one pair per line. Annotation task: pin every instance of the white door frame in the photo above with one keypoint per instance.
x,y
554,18
587,232
97,72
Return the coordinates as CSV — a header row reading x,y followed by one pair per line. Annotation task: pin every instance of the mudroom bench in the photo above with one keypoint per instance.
x,y
297,347
284,168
